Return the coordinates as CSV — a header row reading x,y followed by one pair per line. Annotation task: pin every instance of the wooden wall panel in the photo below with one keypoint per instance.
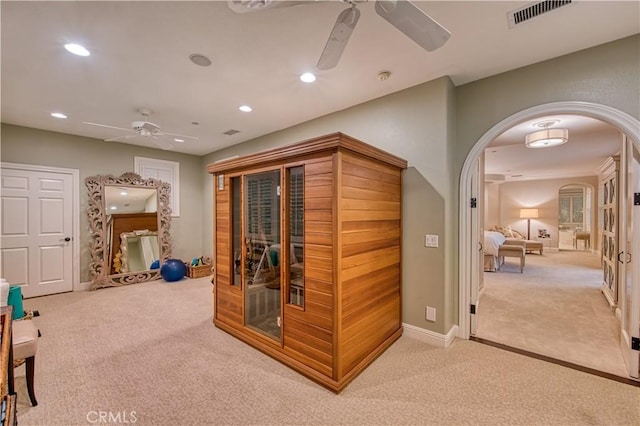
x,y
352,258
370,217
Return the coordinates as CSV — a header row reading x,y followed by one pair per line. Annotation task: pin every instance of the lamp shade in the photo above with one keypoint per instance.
x,y
546,138
529,214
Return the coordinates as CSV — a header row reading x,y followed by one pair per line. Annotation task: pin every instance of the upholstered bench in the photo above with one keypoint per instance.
x,y
530,245
512,250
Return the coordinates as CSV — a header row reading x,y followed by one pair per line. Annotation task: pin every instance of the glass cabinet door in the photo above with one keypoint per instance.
x,y
261,205
295,197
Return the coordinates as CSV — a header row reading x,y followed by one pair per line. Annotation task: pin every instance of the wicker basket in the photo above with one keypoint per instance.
x,y
198,271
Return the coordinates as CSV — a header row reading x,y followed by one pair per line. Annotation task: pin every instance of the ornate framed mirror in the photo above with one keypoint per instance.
x,y
129,220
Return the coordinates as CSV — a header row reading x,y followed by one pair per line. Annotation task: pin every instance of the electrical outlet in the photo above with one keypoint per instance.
x,y
431,240
430,314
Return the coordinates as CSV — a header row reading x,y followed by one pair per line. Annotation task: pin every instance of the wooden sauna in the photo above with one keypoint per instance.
x,y
308,254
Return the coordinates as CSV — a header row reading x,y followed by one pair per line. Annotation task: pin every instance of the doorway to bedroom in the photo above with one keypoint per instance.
x,y
534,310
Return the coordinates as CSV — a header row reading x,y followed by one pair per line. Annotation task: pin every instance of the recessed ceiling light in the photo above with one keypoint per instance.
x,y
245,108
308,77
114,208
58,115
77,49
124,192
178,140
200,59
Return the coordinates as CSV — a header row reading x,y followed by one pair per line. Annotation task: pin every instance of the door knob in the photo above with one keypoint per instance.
x,y
67,239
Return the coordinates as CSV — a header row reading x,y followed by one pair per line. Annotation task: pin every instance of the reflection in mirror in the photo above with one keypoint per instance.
x,y
139,250
129,220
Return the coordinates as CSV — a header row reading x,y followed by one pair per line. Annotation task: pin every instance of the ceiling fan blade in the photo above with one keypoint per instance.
x,y
176,135
118,138
414,23
107,126
338,38
163,144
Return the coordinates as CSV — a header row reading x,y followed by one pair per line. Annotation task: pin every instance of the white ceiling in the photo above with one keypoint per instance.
x,y
140,59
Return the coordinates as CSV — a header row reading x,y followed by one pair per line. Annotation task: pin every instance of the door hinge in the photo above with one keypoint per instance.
x,y
474,202
635,343
473,309
636,198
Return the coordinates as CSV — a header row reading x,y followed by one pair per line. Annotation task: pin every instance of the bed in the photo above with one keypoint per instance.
x,y
492,242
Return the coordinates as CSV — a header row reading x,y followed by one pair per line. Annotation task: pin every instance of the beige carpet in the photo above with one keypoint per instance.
x,y
555,308
150,351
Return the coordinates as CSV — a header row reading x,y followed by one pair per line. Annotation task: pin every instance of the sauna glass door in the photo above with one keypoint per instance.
x,y
261,202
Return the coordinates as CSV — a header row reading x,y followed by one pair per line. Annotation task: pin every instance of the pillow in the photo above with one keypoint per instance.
x,y
507,232
517,235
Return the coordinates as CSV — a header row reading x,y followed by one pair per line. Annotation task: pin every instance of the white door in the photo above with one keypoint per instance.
x,y
477,257
37,230
630,242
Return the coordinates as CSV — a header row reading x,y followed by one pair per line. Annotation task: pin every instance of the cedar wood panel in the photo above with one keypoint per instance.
x,y
369,215
352,238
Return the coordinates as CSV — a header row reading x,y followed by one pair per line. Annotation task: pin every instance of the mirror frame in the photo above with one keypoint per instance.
x,y
98,268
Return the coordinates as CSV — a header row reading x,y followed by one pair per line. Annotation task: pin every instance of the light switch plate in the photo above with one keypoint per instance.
x,y
431,240
430,314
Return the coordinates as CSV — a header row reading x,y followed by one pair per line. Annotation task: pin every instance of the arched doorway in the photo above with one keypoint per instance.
x,y
468,241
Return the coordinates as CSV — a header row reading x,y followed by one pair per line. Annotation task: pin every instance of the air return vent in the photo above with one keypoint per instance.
x,y
524,14
231,132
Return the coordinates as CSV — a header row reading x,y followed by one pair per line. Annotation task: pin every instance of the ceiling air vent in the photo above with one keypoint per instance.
x,y
231,132
523,14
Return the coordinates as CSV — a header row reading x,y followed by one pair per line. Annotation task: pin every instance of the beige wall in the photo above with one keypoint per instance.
x,y
94,157
543,195
491,204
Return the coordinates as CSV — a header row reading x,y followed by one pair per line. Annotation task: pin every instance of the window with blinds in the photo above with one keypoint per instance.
x,y
261,207
572,207
296,204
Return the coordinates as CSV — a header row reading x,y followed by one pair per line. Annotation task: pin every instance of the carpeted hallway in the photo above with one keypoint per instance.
x,y
555,308
149,354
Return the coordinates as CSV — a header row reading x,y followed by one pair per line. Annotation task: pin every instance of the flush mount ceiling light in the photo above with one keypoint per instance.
x,y
308,77
548,137
77,49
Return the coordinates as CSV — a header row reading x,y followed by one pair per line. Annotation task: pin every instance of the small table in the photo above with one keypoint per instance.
x,y
585,236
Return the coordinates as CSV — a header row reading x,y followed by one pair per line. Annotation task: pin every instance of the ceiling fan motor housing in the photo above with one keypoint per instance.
x,y
145,126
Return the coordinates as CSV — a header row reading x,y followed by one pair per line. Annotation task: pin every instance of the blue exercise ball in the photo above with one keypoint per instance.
x,y
173,270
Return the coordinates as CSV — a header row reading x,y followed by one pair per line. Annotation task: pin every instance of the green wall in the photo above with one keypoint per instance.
x,y
94,157
413,124
433,125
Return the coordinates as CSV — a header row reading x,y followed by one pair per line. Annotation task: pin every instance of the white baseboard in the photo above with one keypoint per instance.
x,y
431,337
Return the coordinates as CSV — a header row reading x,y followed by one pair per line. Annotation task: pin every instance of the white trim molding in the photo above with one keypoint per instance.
x,y
624,122
431,337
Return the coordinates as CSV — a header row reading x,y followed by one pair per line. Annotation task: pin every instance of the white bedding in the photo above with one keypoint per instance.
x,y
492,241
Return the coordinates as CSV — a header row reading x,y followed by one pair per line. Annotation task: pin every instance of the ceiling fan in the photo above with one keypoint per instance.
x,y
402,14
144,128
